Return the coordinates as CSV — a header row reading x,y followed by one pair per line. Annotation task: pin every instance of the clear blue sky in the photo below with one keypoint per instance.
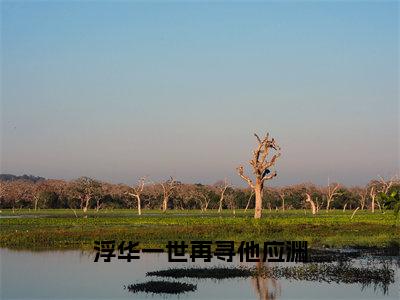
x,y
117,90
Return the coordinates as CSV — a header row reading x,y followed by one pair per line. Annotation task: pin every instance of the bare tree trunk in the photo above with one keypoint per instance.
x,y
168,187
221,199
36,202
222,188
87,200
379,205
373,204
85,208
344,207
248,202
139,205
207,202
76,215
137,191
331,192
313,209
165,204
354,212
98,205
258,204
372,194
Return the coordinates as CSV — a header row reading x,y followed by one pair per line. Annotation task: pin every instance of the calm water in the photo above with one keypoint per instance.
x,y
74,275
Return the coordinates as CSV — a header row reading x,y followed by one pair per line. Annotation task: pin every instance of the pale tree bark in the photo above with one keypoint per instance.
x,y
363,202
204,203
222,189
76,215
261,165
267,288
386,185
362,193
98,205
248,202
354,212
313,207
87,199
331,192
372,194
282,196
86,189
200,194
317,205
36,198
203,194
230,199
137,192
168,188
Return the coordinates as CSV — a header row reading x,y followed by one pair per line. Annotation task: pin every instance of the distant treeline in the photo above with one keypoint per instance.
x,y
10,177
34,192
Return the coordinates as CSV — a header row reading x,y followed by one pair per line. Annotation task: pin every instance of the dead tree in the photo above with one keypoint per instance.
x,y
330,193
86,189
363,198
231,202
266,287
248,202
386,185
313,207
376,187
354,212
261,169
98,205
372,194
362,194
317,204
282,195
204,200
222,187
137,192
168,187
202,194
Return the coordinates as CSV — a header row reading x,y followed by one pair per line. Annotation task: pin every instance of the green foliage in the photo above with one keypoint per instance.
x,y
60,229
48,199
391,201
345,196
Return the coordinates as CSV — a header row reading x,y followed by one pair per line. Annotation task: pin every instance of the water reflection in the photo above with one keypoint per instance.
x,y
74,275
267,288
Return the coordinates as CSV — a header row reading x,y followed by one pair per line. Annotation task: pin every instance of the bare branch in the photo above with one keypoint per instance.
x,y
272,175
241,174
258,138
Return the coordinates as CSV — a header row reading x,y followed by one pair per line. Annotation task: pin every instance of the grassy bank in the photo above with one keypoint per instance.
x,y
61,229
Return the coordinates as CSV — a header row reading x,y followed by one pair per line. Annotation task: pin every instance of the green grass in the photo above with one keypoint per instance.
x,y
60,229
